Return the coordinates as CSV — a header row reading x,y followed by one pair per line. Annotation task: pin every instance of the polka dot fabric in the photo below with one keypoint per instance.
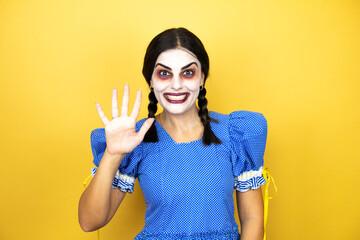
x,y
188,187
248,133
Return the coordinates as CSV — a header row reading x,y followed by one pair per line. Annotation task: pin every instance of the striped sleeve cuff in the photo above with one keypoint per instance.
x,y
123,182
252,179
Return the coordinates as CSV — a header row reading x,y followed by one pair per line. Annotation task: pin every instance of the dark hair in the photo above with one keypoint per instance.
x,y
171,39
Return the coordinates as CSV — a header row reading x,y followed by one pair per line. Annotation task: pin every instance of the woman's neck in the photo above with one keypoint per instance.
x,y
180,122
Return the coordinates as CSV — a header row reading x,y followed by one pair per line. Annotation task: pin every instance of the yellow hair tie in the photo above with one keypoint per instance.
x,y
268,179
86,183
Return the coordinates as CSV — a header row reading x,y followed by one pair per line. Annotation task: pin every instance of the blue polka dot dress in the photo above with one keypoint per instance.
x,y
188,187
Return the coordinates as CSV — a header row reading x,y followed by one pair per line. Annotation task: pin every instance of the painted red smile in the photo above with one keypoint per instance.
x,y
176,97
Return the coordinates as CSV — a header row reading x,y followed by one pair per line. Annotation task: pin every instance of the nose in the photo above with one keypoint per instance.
x,y
176,83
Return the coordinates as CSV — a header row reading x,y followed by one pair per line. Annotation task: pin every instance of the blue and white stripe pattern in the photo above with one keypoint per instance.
x,y
188,187
249,180
123,182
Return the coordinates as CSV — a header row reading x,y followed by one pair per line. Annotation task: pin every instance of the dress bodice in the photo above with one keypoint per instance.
x,y
188,187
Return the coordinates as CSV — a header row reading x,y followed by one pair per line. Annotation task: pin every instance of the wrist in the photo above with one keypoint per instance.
x,y
113,159
114,155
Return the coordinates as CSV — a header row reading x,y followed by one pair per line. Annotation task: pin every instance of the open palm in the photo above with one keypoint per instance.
x,y
120,133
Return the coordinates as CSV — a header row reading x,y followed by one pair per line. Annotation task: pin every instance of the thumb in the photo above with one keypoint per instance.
x,y
145,127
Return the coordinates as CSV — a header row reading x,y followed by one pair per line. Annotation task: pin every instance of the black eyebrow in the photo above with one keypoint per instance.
x,y
181,68
163,66
189,65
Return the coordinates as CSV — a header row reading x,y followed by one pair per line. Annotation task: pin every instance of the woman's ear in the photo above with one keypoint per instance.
x,y
202,79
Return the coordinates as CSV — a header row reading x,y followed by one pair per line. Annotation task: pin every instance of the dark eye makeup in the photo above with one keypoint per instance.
x,y
189,73
164,73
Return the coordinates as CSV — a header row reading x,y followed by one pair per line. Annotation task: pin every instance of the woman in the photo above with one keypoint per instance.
x,y
188,160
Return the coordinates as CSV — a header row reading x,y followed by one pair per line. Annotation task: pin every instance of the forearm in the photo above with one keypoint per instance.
x,y
251,214
252,229
95,203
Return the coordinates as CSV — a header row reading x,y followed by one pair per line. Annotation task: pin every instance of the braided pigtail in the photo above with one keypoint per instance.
x,y
209,136
151,135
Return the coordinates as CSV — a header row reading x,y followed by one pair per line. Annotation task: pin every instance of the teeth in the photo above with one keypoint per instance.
x,y
176,98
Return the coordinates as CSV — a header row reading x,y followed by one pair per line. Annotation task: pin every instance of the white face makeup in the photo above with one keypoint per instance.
x,y
176,80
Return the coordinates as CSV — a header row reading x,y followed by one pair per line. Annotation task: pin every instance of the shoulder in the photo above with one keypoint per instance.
x,y
97,132
238,124
248,120
220,125
238,116
247,115
246,125
97,136
220,117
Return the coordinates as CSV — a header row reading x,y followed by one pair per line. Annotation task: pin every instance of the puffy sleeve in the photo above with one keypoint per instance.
x,y
125,176
247,132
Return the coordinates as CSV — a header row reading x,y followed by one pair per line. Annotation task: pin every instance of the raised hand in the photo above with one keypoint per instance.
x,y
120,133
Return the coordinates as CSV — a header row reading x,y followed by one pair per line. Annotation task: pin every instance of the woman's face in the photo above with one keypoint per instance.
x,y
176,80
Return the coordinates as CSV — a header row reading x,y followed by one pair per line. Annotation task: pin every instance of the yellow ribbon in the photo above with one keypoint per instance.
x,y
86,183
268,179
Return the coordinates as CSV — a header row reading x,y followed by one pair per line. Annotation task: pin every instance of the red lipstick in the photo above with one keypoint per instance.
x,y
176,98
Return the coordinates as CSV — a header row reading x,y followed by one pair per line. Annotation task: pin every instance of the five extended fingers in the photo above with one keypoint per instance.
x,y
124,108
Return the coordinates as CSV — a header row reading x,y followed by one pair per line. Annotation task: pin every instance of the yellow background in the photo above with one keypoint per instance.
x,y
297,62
